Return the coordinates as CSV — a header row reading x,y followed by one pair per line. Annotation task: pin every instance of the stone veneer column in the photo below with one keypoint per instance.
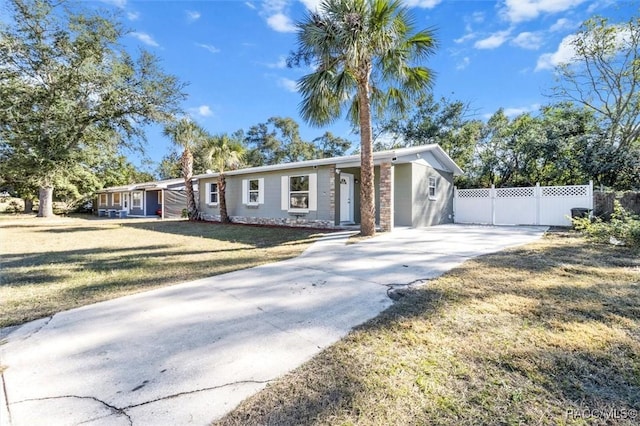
x,y
386,197
332,193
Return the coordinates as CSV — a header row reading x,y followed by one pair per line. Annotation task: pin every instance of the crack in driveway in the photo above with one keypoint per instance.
x,y
123,411
47,320
114,409
6,396
175,395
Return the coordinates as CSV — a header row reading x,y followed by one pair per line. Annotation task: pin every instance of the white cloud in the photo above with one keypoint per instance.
x,y
275,12
470,35
562,24
193,15
311,4
250,5
281,23
117,3
526,10
208,47
281,64
133,16
202,111
514,112
602,4
477,17
145,38
463,63
494,41
288,84
426,4
564,54
528,40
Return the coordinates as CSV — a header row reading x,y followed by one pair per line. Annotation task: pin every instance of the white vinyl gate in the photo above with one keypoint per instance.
x,y
533,205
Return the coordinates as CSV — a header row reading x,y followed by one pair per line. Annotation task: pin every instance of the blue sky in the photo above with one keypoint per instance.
x,y
491,54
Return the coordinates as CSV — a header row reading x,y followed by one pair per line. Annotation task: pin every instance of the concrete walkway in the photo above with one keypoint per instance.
x,y
189,353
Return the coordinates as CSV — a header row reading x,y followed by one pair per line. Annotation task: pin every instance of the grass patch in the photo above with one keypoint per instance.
x,y
547,333
51,265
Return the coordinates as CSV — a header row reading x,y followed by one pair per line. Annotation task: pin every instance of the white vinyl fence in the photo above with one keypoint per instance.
x,y
533,205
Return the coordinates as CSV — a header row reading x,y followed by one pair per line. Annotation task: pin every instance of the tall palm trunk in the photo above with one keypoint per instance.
x,y
222,194
186,162
367,190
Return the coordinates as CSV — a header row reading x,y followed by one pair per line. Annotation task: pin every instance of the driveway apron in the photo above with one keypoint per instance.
x,y
189,353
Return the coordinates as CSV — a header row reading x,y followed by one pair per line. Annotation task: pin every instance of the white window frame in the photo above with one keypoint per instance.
x,y
308,192
119,195
133,199
210,192
247,191
285,197
254,192
160,197
432,190
101,198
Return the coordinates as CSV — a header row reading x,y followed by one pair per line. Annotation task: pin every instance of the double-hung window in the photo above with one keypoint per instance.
x,y
116,199
103,200
299,192
212,194
136,199
253,192
433,187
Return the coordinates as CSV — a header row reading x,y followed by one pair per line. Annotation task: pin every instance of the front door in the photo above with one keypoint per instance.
x,y
125,202
346,198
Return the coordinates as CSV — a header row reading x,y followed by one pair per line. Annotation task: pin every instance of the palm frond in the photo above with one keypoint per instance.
x,y
356,44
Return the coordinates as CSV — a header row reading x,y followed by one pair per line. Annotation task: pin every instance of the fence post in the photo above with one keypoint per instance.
x,y
492,195
537,193
591,197
455,203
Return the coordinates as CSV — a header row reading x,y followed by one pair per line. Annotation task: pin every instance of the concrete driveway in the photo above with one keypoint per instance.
x,y
189,353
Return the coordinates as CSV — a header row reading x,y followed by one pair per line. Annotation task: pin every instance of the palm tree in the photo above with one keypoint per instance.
x,y
223,153
187,135
365,54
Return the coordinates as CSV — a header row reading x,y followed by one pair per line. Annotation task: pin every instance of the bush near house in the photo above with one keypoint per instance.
x,y
622,228
11,205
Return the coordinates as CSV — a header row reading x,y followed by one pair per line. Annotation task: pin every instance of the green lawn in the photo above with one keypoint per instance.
x,y
544,334
50,265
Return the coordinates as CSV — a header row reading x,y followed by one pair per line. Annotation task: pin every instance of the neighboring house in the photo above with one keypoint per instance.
x,y
413,187
166,199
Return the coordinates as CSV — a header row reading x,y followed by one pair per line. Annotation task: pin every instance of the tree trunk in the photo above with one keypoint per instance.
x,y
367,189
28,205
45,197
222,194
187,172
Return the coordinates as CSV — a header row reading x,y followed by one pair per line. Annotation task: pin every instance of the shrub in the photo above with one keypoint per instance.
x,y
622,228
13,207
